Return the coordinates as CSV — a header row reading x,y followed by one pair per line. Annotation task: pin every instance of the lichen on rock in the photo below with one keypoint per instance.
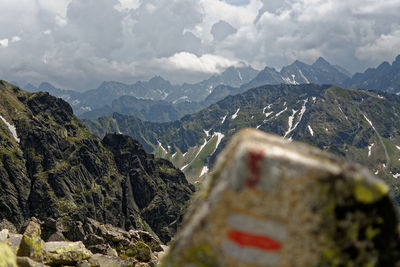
x,y
65,253
31,243
7,257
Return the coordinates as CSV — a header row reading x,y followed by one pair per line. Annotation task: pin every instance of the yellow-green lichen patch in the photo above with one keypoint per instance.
x,y
367,194
140,251
7,257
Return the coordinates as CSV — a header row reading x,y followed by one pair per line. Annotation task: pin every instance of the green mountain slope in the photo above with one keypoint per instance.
x,y
51,166
361,126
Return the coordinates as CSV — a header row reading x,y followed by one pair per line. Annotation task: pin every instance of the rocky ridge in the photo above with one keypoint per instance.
x,y
53,169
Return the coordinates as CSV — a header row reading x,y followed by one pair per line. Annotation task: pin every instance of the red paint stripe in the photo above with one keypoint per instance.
x,y
252,240
254,165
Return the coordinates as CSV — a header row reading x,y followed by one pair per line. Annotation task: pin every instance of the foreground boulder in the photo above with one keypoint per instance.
x,y
32,244
270,202
65,253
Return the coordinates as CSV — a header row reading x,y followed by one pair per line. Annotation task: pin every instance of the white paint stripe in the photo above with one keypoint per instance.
x,y
251,255
257,226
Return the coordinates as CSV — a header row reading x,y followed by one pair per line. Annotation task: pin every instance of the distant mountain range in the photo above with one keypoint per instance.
x,y
159,101
155,89
361,126
320,72
385,77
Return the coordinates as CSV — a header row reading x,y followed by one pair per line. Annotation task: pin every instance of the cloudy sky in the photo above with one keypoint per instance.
x,y
76,44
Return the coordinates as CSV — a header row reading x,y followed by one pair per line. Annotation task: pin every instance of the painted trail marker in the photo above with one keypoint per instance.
x,y
273,203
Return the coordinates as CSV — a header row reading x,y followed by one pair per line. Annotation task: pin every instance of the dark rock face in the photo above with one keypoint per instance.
x,y
59,170
159,190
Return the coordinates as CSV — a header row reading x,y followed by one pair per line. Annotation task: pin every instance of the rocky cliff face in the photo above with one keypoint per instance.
x,y
52,167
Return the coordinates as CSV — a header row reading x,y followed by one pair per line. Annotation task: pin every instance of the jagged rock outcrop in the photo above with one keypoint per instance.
x,y
271,202
52,168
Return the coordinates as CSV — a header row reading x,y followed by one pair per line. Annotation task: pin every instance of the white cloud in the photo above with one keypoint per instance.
x,y
381,49
46,32
206,63
15,39
4,42
60,21
123,5
78,43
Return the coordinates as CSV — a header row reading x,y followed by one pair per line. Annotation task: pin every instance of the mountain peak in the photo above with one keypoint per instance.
x,y
46,85
396,62
320,62
298,63
157,78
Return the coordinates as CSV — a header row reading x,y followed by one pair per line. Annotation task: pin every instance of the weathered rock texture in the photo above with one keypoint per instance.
x,y
51,167
275,203
101,245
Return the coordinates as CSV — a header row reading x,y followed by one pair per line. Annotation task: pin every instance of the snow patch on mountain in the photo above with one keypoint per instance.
x,y
219,136
397,175
201,148
181,98
291,118
304,77
310,130
280,112
184,167
204,171
370,123
290,80
223,119
11,128
290,122
370,149
236,113
162,148
268,114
